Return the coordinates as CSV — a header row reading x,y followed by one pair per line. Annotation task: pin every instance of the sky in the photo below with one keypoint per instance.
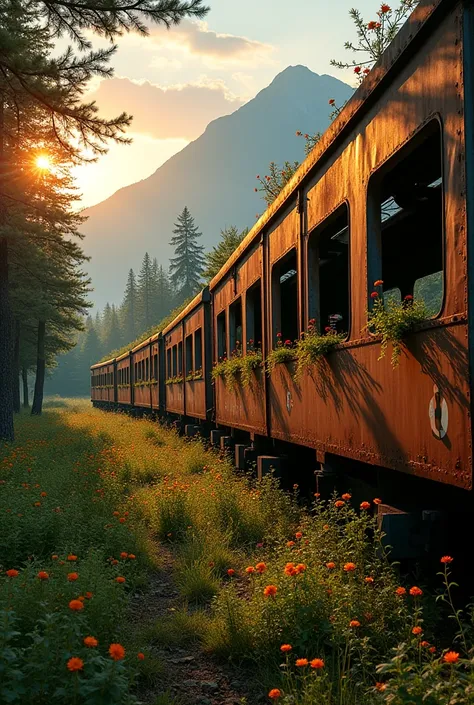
x,y
174,82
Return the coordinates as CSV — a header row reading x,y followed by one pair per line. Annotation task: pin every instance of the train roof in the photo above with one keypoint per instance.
x,y
405,43
146,342
103,364
202,297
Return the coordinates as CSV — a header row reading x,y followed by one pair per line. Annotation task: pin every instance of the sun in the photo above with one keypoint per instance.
x,y
43,162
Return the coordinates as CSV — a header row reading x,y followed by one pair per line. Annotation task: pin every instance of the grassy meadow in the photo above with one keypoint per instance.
x,y
302,601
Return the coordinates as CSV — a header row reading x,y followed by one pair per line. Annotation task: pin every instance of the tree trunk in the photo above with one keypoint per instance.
x,y
24,377
37,407
6,338
16,369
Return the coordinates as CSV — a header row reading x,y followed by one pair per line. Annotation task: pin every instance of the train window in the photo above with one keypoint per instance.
x,y
328,275
198,350
253,320
235,327
406,232
180,359
285,298
147,369
175,360
221,336
189,354
155,372
169,371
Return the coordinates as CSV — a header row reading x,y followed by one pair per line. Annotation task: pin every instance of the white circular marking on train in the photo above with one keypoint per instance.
x,y
438,413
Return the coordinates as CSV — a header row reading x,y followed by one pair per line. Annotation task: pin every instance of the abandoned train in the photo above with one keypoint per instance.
x,y
388,193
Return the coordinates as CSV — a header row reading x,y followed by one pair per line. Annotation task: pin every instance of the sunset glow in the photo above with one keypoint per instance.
x,y
43,162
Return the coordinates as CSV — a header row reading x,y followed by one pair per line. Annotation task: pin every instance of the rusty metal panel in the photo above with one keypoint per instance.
x,y
237,406
195,390
124,394
142,394
352,404
155,383
174,393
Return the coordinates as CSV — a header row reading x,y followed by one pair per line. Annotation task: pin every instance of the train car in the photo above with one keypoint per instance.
x,y
124,379
145,365
103,383
387,194
188,360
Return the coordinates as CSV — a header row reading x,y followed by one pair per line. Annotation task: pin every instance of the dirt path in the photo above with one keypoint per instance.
x,y
190,676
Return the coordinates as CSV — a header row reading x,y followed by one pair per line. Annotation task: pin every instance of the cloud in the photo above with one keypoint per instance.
x,y
196,38
179,111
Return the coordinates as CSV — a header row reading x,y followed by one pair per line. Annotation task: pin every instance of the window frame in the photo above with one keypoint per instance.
x,y
275,322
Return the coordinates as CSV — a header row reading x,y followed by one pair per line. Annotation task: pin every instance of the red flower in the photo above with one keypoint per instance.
x,y
43,575
415,591
349,567
75,664
374,295
357,69
366,71
346,496
446,559
365,505
331,101
451,657
141,656
298,133
400,591
328,329
278,335
379,282
231,572
416,630
12,573
408,297
287,342
274,694
317,663
385,8
372,25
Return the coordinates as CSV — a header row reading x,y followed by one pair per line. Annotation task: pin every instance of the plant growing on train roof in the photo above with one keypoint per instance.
x,y
284,353
275,180
312,346
393,320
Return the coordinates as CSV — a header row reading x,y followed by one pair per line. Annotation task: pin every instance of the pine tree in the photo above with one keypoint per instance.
x,y
162,295
186,267
91,347
112,334
218,256
145,293
128,310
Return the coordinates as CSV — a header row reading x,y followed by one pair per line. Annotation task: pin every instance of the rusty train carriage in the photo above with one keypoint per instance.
x,y
103,382
387,193
124,388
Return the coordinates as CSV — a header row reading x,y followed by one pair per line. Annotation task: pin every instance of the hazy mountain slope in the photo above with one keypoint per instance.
x,y
214,176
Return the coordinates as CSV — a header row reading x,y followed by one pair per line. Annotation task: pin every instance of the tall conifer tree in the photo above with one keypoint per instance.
x,y
128,309
145,291
187,265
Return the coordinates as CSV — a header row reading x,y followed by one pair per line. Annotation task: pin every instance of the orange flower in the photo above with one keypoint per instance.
x,y
317,663
330,565
120,579
116,514
54,557
72,557
415,591
37,504
290,543
72,576
90,641
374,295
270,591
354,623
290,569
231,572
114,561
377,500
260,567
12,573
300,568
76,605
116,651
141,656
43,575
81,598
75,664
369,580
331,101
425,643
432,649
44,494
346,496
122,520
339,503
285,648
88,595
123,555
417,630
299,535
250,569
349,567
446,559
365,505
132,556
451,657
380,687
400,591
301,662
274,694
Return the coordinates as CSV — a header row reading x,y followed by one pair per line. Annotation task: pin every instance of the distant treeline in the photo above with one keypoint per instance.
x,y
150,300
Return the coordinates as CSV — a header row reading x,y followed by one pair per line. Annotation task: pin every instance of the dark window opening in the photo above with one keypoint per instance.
x,y
198,350
408,202
180,359
147,369
189,354
169,372
254,317
285,298
235,327
221,336
175,361
329,278
155,366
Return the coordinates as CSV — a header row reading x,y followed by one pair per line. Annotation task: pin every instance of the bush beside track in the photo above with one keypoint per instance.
x,y
89,503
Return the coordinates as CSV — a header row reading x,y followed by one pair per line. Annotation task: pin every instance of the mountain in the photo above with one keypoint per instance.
x,y
214,176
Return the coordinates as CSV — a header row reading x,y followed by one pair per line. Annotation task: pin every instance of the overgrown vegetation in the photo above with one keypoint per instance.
x,y
85,499
238,370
